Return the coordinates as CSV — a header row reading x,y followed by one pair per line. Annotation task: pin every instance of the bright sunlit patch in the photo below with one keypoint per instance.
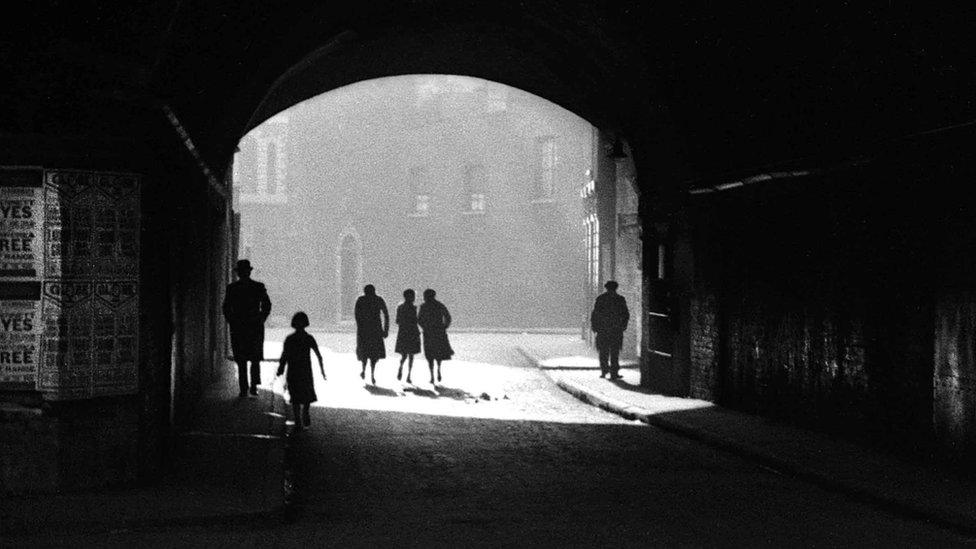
x,y
468,389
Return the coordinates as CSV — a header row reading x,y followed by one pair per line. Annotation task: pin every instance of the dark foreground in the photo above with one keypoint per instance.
x,y
496,455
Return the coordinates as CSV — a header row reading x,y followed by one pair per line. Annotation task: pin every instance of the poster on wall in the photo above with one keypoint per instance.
x,y
116,317
21,271
91,290
21,224
66,367
20,335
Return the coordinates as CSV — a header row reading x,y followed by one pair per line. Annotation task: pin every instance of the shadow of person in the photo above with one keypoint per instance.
x,y
382,391
631,387
453,393
429,393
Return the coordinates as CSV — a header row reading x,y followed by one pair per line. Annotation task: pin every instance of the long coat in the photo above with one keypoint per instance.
x,y
435,319
609,320
369,327
408,333
246,307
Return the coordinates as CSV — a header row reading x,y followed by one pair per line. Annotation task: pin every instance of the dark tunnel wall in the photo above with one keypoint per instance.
x,y
839,300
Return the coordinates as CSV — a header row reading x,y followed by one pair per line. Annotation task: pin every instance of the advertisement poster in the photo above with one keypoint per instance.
x,y
21,271
69,223
116,317
66,368
91,290
21,224
69,291
21,327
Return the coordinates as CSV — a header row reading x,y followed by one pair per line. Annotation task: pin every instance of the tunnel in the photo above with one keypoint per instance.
x,y
801,178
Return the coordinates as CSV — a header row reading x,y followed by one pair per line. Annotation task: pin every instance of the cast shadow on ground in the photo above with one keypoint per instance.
x,y
429,393
382,391
453,393
631,387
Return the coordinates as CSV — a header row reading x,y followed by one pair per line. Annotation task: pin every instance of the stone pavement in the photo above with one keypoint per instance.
x,y
228,467
913,490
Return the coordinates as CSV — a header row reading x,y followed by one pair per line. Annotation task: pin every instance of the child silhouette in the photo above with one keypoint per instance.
x,y
295,355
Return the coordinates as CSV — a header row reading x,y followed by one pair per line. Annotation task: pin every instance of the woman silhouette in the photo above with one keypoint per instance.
x,y
408,334
435,320
372,327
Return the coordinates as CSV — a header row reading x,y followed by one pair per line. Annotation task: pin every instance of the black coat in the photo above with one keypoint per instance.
x,y
371,318
610,314
435,319
246,307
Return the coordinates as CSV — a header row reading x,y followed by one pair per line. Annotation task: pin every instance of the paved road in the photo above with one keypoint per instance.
x,y
423,465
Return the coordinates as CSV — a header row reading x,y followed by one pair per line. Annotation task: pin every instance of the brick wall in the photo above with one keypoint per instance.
x,y
812,301
704,347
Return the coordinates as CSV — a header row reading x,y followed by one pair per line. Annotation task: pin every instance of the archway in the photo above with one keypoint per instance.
x,y
477,189
348,274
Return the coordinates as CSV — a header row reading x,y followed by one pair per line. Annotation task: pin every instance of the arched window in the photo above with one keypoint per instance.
x,y
349,274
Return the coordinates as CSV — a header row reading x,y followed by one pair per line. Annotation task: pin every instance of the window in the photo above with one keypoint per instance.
x,y
259,170
422,205
417,176
545,171
592,224
474,188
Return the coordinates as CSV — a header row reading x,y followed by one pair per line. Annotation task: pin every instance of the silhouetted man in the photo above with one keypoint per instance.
x,y
246,307
609,320
371,329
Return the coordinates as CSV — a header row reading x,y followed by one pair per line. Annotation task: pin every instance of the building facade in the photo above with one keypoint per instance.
x,y
456,184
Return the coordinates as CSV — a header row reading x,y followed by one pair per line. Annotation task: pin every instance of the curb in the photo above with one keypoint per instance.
x,y
957,523
627,364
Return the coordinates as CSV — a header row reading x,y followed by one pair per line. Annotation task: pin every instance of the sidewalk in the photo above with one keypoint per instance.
x,y
229,467
905,488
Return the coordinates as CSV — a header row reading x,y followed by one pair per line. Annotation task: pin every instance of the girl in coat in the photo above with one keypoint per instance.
x,y
408,333
295,356
435,320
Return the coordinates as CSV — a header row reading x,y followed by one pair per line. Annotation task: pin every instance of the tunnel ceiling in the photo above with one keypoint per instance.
x,y
727,88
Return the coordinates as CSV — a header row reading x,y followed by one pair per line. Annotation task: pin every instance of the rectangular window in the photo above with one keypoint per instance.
x,y
593,251
417,175
474,188
422,205
477,202
545,171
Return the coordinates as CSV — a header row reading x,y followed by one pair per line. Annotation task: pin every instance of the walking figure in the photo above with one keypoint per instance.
x,y
435,320
371,330
609,320
246,307
295,356
408,333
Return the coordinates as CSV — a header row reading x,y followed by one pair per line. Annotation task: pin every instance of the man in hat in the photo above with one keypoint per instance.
x,y
609,320
246,307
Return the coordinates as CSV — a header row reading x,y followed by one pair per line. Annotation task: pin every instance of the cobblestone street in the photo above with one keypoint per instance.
x,y
497,455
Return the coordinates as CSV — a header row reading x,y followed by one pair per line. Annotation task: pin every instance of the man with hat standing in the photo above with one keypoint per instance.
x,y
609,320
246,307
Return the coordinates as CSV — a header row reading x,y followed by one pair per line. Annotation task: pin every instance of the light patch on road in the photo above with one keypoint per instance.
x,y
468,389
